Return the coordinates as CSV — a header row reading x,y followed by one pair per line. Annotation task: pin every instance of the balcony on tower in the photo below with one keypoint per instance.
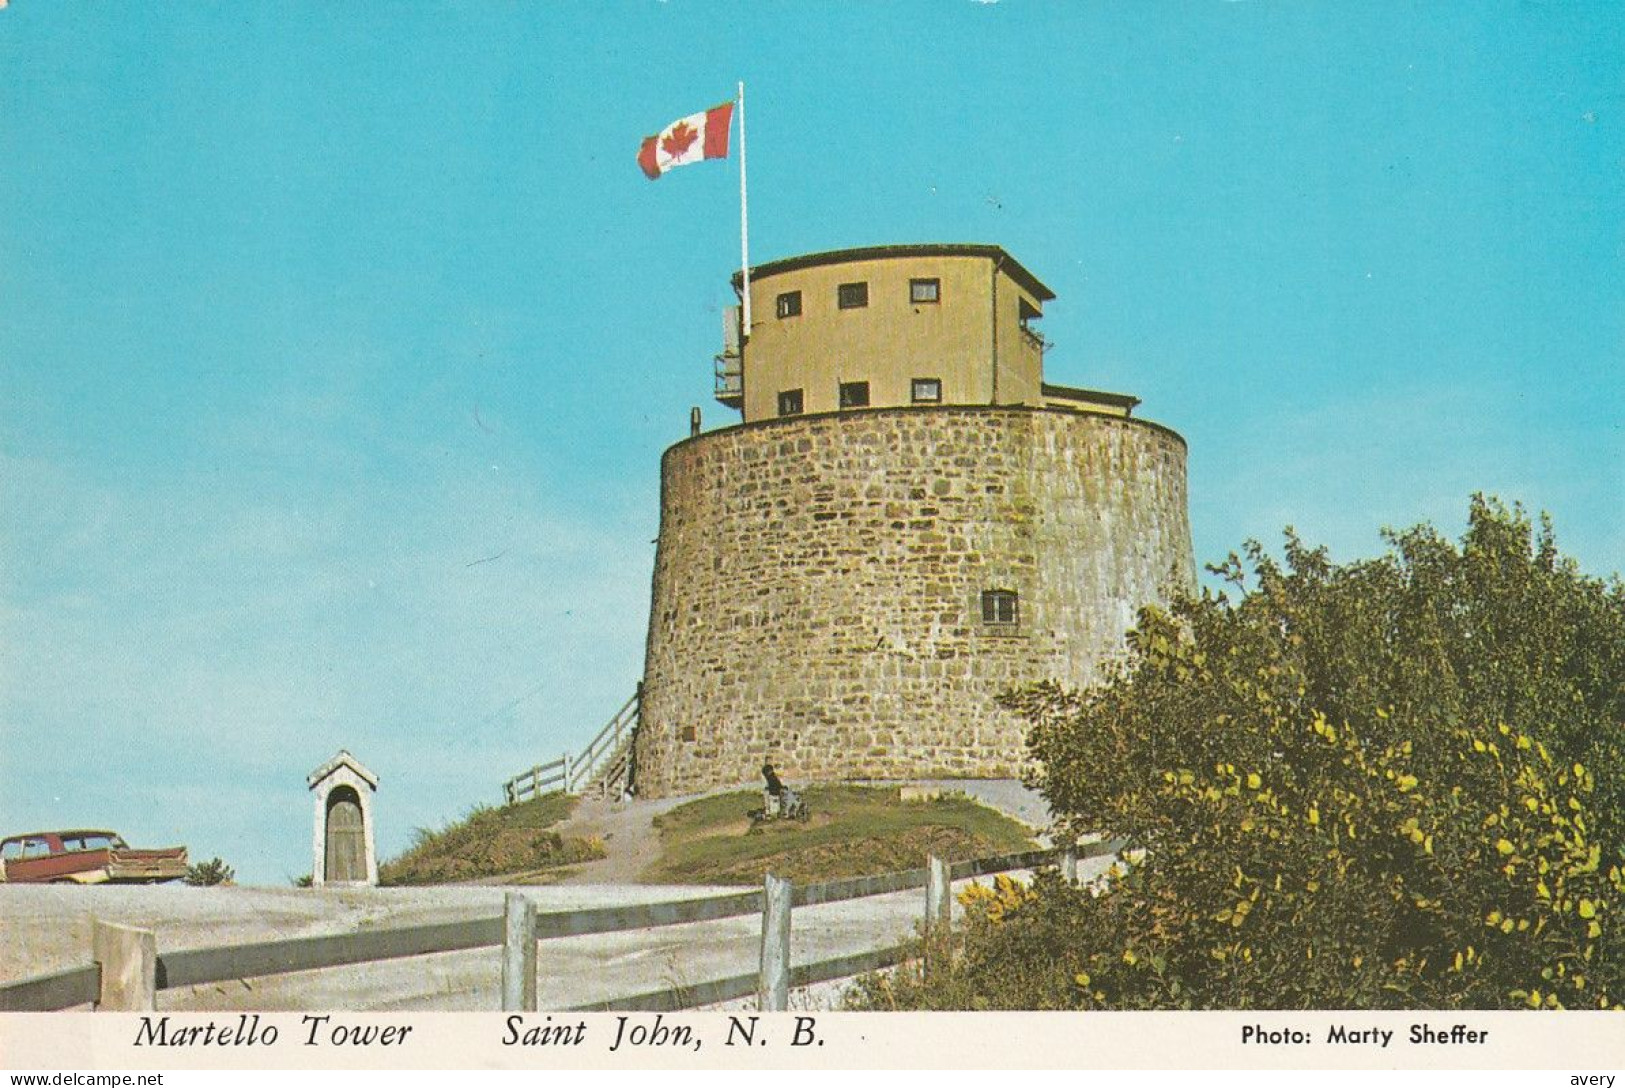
x,y
730,364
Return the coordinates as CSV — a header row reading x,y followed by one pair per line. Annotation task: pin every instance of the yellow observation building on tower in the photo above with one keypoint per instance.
x,y
889,326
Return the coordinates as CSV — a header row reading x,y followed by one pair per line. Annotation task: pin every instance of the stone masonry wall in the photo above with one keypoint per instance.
x,y
818,581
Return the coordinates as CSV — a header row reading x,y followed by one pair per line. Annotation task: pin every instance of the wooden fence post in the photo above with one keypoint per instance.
x,y
938,906
1069,863
128,958
518,953
773,984
938,915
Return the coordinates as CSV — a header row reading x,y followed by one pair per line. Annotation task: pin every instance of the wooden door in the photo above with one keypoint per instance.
x,y
346,838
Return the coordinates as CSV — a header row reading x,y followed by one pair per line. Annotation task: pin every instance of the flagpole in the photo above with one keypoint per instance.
x,y
744,221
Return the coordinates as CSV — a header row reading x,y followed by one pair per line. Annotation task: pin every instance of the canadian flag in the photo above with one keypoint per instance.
x,y
689,139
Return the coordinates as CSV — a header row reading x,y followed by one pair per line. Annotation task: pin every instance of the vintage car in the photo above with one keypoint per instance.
x,y
85,857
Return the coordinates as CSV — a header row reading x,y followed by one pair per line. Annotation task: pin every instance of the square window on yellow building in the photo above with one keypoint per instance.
x,y
927,390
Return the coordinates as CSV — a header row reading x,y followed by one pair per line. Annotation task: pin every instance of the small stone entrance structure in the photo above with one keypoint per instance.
x,y
344,850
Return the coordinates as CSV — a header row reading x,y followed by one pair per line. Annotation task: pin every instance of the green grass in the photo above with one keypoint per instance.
x,y
493,842
854,831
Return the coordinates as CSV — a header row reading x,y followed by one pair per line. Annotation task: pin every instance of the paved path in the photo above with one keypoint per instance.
x,y
1007,795
48,927
626,828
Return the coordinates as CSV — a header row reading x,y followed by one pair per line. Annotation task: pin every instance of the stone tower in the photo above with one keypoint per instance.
x,y
908,521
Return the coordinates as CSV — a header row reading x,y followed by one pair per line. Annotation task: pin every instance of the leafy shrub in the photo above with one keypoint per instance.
x,y
209,873
1396,783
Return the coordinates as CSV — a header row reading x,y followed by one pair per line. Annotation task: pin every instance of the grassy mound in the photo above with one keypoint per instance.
x,y
514,841
853,831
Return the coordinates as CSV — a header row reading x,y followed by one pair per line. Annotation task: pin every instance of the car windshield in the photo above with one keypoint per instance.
x,y
100,841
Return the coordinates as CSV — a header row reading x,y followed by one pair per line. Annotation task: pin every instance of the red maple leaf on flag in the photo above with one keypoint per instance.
x,y
679,139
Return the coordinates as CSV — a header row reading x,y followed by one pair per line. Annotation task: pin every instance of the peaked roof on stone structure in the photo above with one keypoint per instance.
x,y
342,759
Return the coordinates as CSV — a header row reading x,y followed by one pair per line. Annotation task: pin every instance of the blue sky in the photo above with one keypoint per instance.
x,y
339,343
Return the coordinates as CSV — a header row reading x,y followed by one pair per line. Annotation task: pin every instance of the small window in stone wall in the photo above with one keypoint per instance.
x,y
999,607
854,394
927,390
687,732
790,402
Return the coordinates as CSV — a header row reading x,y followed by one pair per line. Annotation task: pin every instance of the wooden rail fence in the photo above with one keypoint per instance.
x,y
127,969
605,764
538,780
